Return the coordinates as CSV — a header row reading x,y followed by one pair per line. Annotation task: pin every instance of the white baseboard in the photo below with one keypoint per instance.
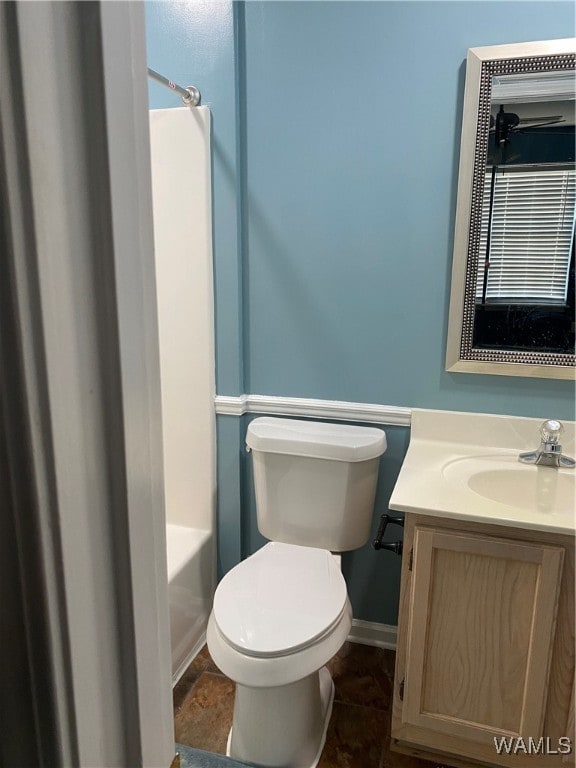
x,y
337,410
372,633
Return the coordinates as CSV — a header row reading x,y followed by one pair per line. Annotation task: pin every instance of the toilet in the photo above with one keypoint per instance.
x,y
280,615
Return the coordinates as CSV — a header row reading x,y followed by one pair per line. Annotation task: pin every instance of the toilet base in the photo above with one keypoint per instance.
x,y
282,727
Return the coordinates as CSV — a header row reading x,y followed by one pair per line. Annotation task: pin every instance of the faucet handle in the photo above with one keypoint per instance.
x,y
550,431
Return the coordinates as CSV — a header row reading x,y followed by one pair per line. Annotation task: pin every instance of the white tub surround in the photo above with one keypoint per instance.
x,y
465,466
181,187
180,151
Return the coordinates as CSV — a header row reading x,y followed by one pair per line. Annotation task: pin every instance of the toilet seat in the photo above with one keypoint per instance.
x,y
280,600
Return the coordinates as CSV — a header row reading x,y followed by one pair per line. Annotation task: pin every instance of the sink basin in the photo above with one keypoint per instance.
x,y
464,466
503,479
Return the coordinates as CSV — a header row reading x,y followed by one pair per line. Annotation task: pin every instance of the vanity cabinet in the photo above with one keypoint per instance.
x,y
485,644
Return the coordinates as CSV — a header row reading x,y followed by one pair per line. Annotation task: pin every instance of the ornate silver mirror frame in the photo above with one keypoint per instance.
x,y
482,65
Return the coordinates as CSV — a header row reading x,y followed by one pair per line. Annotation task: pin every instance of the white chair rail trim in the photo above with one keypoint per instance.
x,y
337,410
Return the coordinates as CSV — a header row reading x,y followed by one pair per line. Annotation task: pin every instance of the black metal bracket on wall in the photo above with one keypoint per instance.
x,y
393,546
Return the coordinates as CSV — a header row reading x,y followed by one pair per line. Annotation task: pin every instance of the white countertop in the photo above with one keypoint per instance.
x,y
450,451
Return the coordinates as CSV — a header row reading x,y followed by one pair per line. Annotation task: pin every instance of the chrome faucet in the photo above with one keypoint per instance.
x,y
549,454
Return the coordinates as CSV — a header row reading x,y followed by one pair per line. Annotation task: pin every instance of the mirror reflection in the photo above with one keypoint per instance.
x,y
525,279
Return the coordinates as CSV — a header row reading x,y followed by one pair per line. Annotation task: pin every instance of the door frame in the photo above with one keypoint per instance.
x,y
80,426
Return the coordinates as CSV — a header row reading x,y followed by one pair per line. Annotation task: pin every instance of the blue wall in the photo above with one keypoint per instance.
x,y
335,141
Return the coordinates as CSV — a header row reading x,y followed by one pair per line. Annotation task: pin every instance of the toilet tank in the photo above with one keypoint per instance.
x,y
315,482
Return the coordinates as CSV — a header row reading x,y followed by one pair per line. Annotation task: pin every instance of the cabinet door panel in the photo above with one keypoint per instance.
x,y
480,636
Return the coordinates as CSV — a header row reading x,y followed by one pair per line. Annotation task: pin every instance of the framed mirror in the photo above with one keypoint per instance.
x,y
512,299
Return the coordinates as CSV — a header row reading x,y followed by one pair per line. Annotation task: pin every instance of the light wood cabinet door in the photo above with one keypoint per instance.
x,y
480,635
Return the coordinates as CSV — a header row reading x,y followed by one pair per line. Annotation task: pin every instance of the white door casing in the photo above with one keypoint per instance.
x,y
79,249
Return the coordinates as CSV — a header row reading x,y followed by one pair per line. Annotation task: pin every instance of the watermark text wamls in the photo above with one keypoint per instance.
x,y
517,745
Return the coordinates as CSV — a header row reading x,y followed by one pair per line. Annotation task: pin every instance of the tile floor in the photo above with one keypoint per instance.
x,y
358,734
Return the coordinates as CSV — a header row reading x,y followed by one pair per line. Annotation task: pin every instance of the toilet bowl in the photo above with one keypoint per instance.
x,y
278,617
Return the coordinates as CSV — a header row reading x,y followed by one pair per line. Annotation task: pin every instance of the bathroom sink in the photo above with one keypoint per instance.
x,y
465,466
501,478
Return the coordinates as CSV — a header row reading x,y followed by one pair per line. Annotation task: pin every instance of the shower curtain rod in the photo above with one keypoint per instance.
x,y
190,95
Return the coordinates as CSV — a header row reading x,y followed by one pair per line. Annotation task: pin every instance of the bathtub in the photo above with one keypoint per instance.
x,y
190,559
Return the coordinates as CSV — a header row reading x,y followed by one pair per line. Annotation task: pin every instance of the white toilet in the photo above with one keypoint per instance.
x,y
282,613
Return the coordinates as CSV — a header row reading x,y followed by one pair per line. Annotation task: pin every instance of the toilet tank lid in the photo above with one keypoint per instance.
x,y
320,440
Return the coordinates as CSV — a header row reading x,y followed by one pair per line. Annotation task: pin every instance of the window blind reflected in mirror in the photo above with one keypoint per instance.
x,y
527,235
